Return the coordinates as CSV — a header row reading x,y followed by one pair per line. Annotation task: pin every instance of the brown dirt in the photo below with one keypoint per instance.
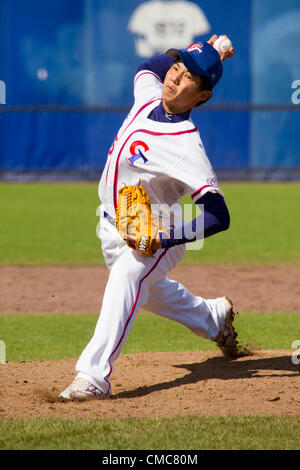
x,y
155,384
159,385
80,289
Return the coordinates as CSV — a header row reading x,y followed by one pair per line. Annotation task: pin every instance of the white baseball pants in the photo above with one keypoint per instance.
x,y
135,281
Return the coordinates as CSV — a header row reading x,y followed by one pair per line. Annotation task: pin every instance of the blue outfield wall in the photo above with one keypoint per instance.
x,y
80,140
68,68
57,140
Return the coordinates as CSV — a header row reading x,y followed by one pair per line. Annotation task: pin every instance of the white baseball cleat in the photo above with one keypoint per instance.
x,y
81,389
226,339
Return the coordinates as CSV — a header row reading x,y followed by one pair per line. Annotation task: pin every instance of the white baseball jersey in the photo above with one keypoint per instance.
x,y
168,158
170,161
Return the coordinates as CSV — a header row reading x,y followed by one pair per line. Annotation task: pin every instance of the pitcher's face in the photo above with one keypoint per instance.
x,y
182,89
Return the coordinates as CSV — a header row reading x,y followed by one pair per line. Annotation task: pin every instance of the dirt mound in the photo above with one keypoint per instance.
x,y
160,385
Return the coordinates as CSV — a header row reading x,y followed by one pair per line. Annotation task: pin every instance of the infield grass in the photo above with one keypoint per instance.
x,y
176,433
62,336
55,224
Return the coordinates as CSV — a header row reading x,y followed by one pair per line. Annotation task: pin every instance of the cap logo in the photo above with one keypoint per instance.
x,y
196,46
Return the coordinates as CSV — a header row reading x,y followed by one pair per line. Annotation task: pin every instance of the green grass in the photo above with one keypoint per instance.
x,y
56,224
264,227
176,433
51,224
51,337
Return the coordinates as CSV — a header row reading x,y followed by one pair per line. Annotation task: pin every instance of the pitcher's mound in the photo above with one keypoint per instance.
x,y
157,385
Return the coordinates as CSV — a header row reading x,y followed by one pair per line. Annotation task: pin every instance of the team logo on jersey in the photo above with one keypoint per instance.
x,y
196,46
136,152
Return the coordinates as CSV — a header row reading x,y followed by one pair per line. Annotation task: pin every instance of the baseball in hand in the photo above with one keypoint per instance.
x,y
222,44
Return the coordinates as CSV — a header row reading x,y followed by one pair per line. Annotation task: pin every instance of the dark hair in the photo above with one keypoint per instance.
x,y
207,86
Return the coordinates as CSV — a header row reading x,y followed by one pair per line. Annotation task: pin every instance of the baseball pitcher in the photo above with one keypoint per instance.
x,y
157,157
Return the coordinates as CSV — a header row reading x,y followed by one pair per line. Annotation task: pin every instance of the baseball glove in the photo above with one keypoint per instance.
x,y
134,217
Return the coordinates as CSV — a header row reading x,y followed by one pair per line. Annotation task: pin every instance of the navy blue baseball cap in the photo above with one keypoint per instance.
x,y
201,58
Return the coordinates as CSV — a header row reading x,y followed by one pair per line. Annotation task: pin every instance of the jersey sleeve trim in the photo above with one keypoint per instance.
x,y
146,72
203,190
